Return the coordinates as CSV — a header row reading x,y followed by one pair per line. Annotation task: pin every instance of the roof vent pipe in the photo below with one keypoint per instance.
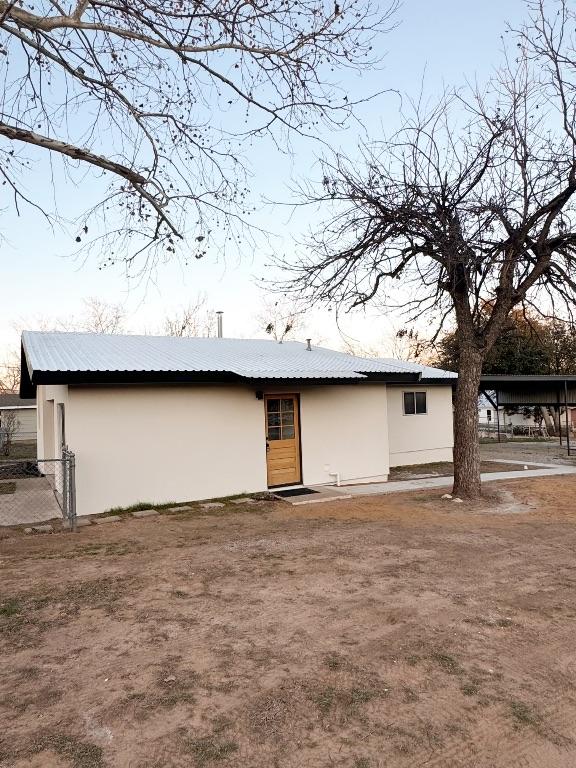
x,y
219,323
309,345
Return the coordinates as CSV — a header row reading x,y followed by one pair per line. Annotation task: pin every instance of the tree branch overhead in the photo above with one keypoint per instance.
x,y
165,97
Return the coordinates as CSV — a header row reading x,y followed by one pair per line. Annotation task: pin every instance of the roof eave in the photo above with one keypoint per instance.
x,y
27,387
133,377
29,383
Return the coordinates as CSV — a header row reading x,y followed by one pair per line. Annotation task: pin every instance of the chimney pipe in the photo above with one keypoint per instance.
x,y
309,345
219,322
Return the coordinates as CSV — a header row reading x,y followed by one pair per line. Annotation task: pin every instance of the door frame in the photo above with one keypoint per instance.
x,y
296,396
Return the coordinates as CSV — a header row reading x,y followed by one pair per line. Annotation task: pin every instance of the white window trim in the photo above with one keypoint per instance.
x,y
413,392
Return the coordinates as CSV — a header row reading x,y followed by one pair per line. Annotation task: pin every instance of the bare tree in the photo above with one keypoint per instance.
x,y
281,318
407,345
196,319
97,316
470,205
10,373
162,98
357,348
9,426
102,317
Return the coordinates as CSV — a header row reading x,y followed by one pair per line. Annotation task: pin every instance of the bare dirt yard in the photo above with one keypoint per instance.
x,y
546,451
368,633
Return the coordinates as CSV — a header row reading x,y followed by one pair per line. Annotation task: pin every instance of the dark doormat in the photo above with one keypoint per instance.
x,y
295,492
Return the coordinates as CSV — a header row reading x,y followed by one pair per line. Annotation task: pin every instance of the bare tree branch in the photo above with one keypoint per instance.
x,y
163,99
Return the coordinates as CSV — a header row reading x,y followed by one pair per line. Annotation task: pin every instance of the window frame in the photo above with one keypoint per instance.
x,y
414,392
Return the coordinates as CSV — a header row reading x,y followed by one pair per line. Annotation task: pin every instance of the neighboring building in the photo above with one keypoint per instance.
x,y
24,409
164,419
516,421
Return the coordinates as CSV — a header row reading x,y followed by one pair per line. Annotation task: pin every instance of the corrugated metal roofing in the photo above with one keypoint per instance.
x,y
10,400
249,358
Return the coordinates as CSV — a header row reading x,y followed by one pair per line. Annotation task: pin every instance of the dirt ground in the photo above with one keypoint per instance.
x,y
398,630
549,452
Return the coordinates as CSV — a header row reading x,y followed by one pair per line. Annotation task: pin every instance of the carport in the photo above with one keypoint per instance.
x,y
518,391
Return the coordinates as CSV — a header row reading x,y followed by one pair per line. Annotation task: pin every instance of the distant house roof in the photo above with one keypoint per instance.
x,y
525,390
91,358
12,401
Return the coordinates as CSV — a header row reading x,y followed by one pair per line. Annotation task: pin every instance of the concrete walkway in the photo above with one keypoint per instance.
x,y
546,470
32,501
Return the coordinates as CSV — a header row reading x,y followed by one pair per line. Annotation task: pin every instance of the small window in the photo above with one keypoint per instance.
x,y
280,419
414,403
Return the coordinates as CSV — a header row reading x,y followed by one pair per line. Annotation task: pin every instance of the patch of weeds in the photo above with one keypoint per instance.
x,y
110,549
470,689
348,699
173,698
173,506
180,594
447,663
221,724
10,607
410,695
412,660
172,690
15,626
324,700
210,749
38,698
524,715
361,762
27,673
138,507
80,754
334,661
136,696
272,713
22,623
98,593
7,488
481,621
179,691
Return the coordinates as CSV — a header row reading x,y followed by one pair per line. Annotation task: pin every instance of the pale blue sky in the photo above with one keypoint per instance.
x,y
445,41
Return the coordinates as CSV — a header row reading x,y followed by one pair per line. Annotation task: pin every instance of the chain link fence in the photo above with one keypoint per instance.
x,y
490,429
38,490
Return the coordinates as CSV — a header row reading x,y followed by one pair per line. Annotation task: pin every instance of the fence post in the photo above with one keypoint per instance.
x,y
65,499
72,491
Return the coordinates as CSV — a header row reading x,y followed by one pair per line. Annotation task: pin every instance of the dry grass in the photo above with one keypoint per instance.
x,y
446,469
386,631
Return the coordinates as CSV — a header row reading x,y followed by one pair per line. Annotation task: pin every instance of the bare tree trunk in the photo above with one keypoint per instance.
x,y
466,444
556,414
550,426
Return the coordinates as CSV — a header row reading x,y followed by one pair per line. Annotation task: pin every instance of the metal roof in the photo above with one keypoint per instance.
x,y
12,400
526,389
62,353
500,379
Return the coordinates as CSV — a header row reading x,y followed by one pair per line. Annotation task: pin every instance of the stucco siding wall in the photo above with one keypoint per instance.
x,y
47,419
344,429
162,444
422,438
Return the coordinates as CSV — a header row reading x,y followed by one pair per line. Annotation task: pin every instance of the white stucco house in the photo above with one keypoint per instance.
x,y
164,419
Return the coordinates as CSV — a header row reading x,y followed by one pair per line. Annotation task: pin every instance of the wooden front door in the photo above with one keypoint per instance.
x,y
282,439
